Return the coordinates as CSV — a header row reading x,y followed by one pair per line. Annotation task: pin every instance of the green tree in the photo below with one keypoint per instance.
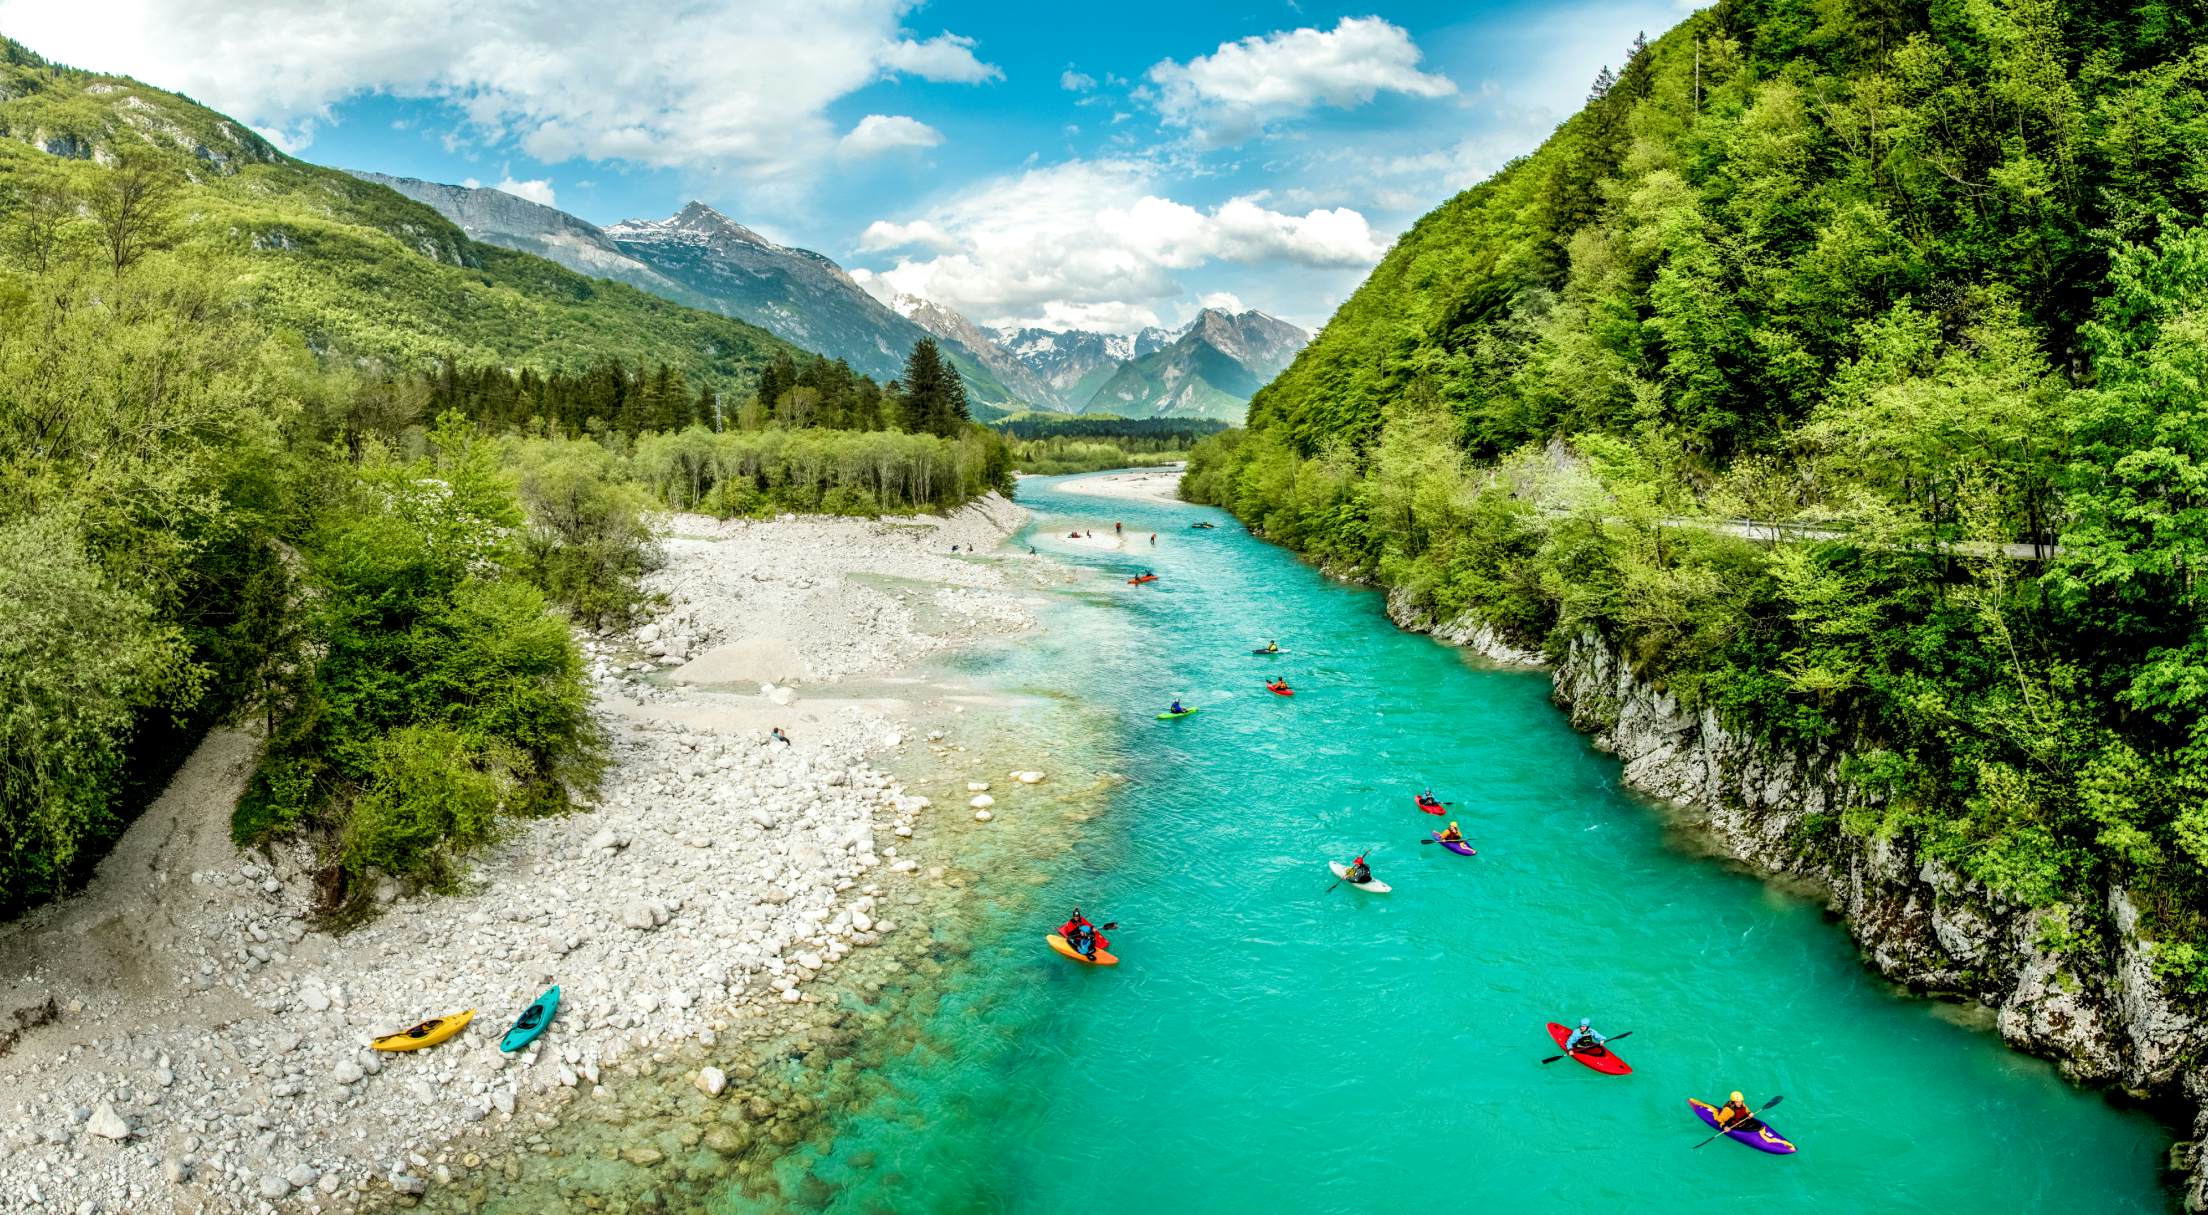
x,y
131,204
934,398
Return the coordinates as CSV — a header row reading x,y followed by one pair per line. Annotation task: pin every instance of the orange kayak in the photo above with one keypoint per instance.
x,y
1065,947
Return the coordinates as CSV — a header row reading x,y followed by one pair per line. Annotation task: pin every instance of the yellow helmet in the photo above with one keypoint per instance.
x,y
1452,822
1736,1097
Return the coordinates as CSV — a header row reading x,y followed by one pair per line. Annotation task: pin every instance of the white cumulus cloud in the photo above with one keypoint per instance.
x,y
947,58
882,234
536,191
878,133
1230,94
735,86
1096,240
1076,82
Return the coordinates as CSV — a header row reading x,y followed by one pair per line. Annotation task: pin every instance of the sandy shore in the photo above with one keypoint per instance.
x,y
1148,484
177,1037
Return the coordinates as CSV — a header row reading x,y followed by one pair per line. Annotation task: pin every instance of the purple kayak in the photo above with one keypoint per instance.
x,y
1762,1136
1457,846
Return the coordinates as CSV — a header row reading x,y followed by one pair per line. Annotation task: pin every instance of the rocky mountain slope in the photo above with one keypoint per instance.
x,y
704,259
1073,363
510,221
1211,369
952,328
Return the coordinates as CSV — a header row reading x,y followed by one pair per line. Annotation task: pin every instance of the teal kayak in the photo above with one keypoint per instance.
x,y
532,1021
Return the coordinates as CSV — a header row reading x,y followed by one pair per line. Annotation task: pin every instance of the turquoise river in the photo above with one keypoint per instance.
x,y
1270,1045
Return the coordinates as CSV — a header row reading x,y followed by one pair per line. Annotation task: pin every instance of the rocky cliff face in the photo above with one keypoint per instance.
x,y
2095,1008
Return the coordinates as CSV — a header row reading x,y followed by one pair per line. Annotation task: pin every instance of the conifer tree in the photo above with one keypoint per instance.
x,y
935,401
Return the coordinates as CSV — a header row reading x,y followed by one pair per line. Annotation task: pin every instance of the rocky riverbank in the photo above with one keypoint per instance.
x,y
2094,1008
181,1037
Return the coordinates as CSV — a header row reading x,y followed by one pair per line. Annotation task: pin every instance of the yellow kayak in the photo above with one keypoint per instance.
x,y
428,1033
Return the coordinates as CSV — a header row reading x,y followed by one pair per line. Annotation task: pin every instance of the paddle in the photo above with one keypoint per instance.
x,y
1360,856
1737,1121
1606,1042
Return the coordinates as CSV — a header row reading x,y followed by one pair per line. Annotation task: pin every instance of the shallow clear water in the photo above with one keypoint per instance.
x,y
1269,1045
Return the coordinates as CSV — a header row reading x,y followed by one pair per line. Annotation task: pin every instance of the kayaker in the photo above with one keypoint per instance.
x,y
1272,647
1176,708
1117,528
1359,872
1278,685
1582,1039
1082,935
1454,836
1734,1115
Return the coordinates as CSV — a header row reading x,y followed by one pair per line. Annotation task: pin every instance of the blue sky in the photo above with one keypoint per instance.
x,y
1103,166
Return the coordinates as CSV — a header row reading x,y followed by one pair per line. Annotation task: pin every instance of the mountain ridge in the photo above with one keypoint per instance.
x,y
704,259
1211,369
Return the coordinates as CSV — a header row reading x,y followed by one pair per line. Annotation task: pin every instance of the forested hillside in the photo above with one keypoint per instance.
x,y
1929,280
342,263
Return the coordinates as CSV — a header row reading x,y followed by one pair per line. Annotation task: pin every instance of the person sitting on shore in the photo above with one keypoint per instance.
x,y
779,736
1583,1039
1454,836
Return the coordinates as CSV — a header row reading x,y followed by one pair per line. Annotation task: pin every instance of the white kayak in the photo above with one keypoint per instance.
x,y
1376,886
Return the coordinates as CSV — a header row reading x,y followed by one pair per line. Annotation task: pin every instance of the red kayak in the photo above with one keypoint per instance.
x,y
1141,580
1599,1058
1280,689
1431,807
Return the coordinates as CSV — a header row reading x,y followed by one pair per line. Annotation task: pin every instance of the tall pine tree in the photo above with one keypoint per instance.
x,y
935,400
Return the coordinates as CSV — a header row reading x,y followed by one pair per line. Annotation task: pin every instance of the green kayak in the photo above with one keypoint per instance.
x,y
1171,716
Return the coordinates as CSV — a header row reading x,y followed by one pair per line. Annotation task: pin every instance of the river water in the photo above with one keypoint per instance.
x,y
1269,1044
